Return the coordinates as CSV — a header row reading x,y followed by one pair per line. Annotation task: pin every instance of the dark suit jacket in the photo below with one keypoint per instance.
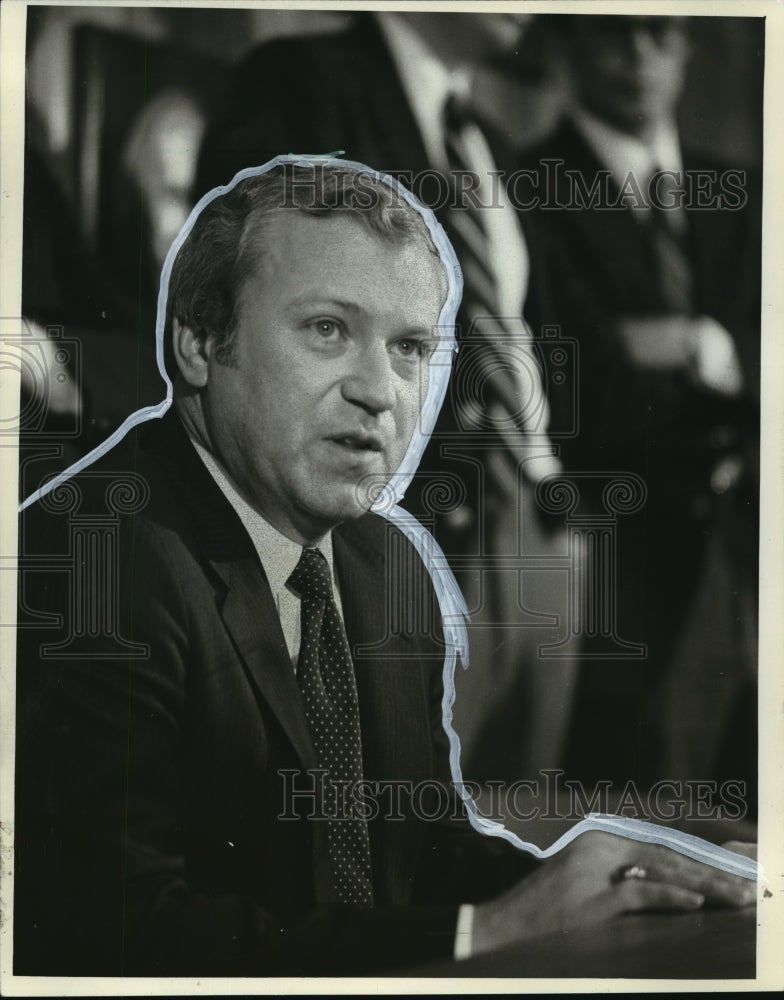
x,y
592,266
157,711
589,268
314,94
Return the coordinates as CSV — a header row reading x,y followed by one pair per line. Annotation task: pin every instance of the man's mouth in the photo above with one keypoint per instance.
x,y
359,442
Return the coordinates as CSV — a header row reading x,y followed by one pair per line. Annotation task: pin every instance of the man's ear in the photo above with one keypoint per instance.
x,y
192,352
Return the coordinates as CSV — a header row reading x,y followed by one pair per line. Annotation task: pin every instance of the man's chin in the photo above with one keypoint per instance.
x,y
347,502
364,493
342,509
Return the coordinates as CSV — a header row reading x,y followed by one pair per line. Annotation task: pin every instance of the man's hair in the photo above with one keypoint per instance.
x,y
226,242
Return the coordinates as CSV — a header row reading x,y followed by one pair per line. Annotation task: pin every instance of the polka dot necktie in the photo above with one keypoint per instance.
x,y
326,678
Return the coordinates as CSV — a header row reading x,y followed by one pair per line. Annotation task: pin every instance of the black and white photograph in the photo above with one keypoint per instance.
x,y
392,490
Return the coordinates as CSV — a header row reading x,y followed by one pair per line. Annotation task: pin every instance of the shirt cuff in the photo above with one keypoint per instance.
x,y
464,931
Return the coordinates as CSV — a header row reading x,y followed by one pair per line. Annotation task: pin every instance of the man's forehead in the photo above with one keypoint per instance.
x,y
286,238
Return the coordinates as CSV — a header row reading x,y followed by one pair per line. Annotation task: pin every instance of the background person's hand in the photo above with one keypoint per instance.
x,y
698,345
45,378
583,884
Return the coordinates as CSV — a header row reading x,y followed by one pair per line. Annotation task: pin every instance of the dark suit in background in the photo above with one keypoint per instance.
x,y
687,561
296,95
70,288
149,780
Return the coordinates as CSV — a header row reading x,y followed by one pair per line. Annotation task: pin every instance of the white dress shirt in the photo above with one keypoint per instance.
x,y
622,153
428,83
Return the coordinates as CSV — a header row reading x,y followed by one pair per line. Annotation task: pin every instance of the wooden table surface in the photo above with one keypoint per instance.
x,y
708,944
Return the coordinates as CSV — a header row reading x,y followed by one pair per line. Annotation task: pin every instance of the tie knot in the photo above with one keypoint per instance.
x,y
458,110
311,576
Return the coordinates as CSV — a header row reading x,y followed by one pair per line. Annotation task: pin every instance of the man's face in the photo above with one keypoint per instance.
x,y
630,70
331,362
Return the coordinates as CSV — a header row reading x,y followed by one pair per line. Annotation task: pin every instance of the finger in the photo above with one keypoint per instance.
x,y
741,847
646,895
719,887
639,896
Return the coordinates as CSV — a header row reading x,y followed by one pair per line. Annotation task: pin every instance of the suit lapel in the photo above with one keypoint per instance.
x,y
366,110
250,616
629,269
244,599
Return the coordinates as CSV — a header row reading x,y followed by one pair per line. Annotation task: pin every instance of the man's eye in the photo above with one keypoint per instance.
x,y
411,348
326,328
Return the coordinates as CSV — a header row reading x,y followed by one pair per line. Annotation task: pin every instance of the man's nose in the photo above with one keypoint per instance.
x,y
370,380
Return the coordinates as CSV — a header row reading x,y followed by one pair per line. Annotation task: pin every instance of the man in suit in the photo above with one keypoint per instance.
x,y
648,253
190,706
381,91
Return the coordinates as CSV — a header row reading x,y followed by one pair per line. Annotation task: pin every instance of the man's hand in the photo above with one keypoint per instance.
x,y
584,884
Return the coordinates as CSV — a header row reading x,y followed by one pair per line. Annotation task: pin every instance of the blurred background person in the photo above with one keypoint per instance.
x,y
71,399
648,253
158,168
109,168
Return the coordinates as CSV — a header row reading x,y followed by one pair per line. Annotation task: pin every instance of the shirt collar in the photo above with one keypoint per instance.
x,y
622,153
279,555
